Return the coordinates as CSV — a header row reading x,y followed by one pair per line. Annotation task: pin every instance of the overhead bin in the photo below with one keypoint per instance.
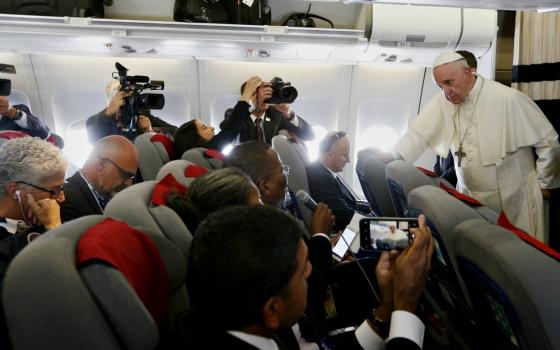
x,y
417,34
393,34
37,34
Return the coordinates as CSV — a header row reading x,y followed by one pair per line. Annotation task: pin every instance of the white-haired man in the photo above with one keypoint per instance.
x,y
109,122
493,132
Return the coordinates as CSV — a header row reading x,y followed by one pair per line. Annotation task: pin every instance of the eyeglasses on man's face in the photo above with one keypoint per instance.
x,y
125,175
53,192
285,170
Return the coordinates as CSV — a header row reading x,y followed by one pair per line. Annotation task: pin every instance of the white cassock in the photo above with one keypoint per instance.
x,y
500,129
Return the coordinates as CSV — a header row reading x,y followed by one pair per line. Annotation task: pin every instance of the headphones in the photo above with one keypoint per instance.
x,y
305,19
18,195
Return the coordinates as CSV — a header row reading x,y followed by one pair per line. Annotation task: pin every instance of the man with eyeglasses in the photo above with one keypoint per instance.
x,y
31,177
110,168
325,183
264,167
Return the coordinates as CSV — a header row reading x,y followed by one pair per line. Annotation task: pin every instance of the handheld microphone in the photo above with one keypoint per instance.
x,y
306,199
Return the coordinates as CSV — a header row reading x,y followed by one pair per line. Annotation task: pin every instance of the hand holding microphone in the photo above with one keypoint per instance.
x,y
322,220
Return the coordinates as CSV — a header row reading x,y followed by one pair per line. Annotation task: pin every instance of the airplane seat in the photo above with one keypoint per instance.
x,y
141,206
512,285
154,150
371,173
206,158
135,205
65,292
6,135
294,155
443,212
403,177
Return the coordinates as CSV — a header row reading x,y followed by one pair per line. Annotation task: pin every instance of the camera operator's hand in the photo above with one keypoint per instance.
x,y
117,101
384,275
5,109
251,88
144,125
322,220
412,267
284,108
264,92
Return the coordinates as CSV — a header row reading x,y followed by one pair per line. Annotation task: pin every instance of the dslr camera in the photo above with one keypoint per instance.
x,y
137,103
282,92
5,87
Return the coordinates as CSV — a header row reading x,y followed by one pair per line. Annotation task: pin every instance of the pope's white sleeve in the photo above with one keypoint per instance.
x,y
410,146
548,163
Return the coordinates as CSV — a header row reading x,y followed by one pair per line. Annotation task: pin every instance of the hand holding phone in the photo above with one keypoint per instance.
x,y
386,233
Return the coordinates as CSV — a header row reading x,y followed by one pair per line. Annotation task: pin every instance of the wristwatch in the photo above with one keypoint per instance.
x,y
18,115
382,326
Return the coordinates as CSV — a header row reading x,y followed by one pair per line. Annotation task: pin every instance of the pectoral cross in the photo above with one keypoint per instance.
x,y
460,154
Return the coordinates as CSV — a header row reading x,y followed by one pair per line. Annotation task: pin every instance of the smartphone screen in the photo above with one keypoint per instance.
x,y
386,233
343,243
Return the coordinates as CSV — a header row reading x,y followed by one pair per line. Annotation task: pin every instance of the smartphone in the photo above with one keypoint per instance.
x,y
386,233
343,244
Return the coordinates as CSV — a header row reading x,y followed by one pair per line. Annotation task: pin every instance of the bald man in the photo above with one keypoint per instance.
x,y
110,168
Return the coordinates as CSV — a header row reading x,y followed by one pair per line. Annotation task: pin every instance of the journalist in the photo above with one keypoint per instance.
x,y
270,113
19,117
195,133
110,122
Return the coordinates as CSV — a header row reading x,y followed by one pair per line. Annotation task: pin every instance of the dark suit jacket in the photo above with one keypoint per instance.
x,y
445,168
320,257
35,126
79,200
324,188
272,123
99,126
223,340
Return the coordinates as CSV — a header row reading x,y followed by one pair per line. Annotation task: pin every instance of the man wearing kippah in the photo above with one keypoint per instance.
x,y
493,132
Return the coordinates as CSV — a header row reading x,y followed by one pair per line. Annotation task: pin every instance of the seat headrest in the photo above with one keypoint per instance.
x,y
206,158
134,255
504,222
182,171
406,175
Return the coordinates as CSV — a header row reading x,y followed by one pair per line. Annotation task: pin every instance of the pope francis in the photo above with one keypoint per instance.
x,y
494,133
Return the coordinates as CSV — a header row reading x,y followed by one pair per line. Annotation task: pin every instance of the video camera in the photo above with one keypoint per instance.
x,y
5,87
137,103
282,92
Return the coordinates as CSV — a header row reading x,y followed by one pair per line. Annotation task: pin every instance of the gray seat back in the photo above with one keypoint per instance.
x,y
209,159
443,213
513,285
49,302
178,169
403,177
371,173
293,155
133,205
152,153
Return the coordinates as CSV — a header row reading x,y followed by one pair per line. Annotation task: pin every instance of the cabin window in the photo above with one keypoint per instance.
x,y
76,145
313,146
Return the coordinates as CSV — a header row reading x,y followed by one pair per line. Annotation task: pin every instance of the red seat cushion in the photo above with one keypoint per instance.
x,y
212,153
426,171
134,255
166,186
462,197
167,144
504,222
193,170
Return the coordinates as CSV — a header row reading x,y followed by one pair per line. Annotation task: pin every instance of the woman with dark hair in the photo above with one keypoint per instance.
x,y
213,191
196,133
